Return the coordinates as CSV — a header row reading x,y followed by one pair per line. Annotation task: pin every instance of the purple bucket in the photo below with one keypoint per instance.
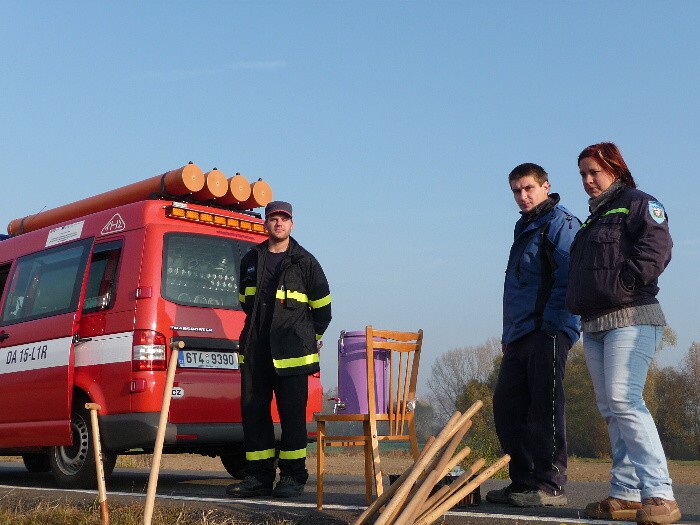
x,y
352,374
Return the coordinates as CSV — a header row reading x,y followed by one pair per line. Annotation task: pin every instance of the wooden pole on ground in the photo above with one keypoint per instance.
x,y
436,512
422,493
99,467
160,436
446,491
386,495
453,425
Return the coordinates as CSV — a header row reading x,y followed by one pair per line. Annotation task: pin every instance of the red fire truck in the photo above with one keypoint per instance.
x,y
90,304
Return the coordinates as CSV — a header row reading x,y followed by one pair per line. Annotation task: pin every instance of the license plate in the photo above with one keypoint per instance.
x,y
200,359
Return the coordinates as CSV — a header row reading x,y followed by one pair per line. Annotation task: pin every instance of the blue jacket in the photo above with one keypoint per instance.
x,y
534,291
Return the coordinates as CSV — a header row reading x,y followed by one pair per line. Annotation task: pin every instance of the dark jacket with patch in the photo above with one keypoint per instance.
x,y
301,313
536,276
618,255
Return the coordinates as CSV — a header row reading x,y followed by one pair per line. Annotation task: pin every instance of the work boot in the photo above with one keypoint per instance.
x,y
658,510
613,509
288,487
537,498
501,495
250,487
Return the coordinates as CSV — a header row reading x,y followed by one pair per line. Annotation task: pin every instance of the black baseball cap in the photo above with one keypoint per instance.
x,y
278,207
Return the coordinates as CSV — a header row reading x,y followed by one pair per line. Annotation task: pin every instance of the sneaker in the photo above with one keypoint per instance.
x,y
288,487
501,495
250,487
537,498
658,510
613,509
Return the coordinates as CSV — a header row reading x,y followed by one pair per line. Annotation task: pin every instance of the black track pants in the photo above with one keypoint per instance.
x,y
258,382
529,412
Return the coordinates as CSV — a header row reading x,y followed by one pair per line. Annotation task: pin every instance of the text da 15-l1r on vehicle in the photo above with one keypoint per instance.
x,y
93,295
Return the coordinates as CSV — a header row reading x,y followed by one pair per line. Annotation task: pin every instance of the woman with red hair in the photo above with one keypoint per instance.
x,y
615,262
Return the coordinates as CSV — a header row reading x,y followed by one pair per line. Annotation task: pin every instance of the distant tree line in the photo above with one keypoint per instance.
x,y
461,376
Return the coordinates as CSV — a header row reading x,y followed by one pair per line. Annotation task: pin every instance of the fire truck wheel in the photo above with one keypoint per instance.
x,y
38,462
74,466
235,463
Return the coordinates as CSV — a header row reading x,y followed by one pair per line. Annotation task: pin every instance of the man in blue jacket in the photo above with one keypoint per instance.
x,y
538,331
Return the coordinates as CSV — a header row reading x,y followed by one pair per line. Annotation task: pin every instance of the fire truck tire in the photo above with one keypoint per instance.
x,y
235,463
36,462
74,466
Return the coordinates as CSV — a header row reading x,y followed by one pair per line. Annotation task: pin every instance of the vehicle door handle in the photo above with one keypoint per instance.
x,y
4,335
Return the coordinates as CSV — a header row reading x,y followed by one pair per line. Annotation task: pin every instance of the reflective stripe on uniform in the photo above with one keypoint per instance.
x,y
249,291
303,298
258,455
625,211
293,454
320,303
292,362
290,294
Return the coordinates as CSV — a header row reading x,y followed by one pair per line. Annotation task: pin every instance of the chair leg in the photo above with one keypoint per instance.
x,y
377,467
320,435
415,451
369,464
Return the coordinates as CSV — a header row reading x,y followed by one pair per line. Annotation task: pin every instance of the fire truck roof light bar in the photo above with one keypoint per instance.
x,y
176,212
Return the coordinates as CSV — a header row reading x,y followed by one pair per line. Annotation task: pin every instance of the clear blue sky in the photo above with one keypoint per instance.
x,y
391,127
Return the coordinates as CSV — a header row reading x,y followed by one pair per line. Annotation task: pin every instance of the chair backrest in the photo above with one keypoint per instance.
x,y
404,350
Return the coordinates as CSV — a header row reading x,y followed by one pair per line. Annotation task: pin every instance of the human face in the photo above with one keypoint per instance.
x,y
529,193
594,178
279,226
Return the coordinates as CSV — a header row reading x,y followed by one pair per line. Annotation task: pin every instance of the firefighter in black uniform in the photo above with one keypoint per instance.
x,y
285,296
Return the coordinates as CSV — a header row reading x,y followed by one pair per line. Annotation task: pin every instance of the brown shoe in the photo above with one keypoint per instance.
x,y
658,510
613,509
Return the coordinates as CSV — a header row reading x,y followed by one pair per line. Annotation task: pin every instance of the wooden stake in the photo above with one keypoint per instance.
x,y
381,500
440,496
422,493
160,436
437,512
97,447
453,425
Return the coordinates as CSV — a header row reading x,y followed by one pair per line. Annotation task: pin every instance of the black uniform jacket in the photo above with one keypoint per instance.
x,y
302,310
618,255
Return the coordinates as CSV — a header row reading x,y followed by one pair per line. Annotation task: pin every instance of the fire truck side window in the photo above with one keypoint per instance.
x,y
4,271
46,283
202,270
102,277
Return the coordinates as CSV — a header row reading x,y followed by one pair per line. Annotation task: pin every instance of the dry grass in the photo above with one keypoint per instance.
x,y
61,512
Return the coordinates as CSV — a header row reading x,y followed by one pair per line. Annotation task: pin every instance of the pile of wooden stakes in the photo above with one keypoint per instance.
x,y
408,501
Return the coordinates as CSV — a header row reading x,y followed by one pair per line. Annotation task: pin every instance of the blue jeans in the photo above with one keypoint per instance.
x,y
618,361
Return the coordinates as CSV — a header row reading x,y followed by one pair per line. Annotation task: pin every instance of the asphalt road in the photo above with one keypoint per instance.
x,y
343,497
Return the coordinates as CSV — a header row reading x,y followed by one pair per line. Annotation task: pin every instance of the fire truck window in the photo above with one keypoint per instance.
x,y
46,283
4,271
202,270
101,285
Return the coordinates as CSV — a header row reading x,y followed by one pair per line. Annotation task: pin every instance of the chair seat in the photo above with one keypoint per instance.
x,y
341,417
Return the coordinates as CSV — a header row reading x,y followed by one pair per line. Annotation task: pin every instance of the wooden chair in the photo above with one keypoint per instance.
x,y
397,419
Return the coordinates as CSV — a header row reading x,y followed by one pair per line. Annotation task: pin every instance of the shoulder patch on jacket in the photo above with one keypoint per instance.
x,y
656,210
